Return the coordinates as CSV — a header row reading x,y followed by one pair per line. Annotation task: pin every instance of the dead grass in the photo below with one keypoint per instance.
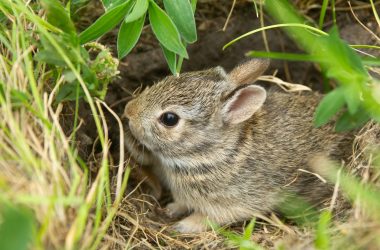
x,y
139,223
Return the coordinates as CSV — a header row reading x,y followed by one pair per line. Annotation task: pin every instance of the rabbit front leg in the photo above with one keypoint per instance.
x,y
174,210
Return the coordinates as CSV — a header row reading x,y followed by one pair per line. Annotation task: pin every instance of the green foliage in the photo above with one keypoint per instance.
x,y
322,236
323,13
165,30
17,97
106,22
353,102
138,11
349,121
90,69
182,15
241,241
17,227
171,59
338,61
298,210
329,106
174,28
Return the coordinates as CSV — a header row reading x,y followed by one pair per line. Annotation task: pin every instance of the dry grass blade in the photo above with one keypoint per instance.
x,y
286,86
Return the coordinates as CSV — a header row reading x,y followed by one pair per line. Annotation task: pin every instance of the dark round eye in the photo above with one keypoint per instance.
x,y
169,119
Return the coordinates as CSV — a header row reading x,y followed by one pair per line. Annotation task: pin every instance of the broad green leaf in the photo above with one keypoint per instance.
x,y
138,11
165,30
58,16
171,59
181,12
105,23
128,36
17,228
329,106
348,121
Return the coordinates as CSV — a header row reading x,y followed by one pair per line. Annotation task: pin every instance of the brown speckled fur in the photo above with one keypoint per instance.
x,y
222,171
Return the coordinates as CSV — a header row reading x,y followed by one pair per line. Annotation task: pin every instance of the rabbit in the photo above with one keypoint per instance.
x,y
229,149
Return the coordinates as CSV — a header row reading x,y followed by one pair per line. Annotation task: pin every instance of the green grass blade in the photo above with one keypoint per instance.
x,y
322,236
375,13
323,13
293,25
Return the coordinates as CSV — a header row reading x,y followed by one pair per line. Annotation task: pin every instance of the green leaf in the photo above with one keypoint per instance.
x,y
105,23
171,59
17,228
128,36
49,58
351,121
68,92
353,95
181,12
329,106
165,30
48,54
58,16
18,98
138,11
248,231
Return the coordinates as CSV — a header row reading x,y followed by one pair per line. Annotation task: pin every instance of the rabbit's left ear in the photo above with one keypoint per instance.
x,y
249,71
242,103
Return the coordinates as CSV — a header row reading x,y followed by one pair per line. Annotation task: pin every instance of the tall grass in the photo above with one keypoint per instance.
x,y
40,170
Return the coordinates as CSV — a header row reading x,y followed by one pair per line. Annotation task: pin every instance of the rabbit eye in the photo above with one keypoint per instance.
x,y
169,119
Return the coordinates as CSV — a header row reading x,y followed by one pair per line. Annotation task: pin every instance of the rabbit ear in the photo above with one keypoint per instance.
x,y
242,103
249,71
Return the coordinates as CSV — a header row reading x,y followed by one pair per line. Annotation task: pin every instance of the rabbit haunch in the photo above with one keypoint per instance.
x,y
236,149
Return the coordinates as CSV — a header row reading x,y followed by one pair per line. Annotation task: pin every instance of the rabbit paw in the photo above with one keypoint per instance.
x,y
175,210
195,223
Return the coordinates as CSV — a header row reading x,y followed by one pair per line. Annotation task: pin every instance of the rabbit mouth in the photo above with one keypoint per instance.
x,y
139,141
134,138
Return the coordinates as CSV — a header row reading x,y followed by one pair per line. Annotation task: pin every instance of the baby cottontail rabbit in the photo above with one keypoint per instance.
x,y
228,149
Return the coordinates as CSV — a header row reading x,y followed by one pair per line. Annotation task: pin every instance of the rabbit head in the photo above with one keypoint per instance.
x,y
183,116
